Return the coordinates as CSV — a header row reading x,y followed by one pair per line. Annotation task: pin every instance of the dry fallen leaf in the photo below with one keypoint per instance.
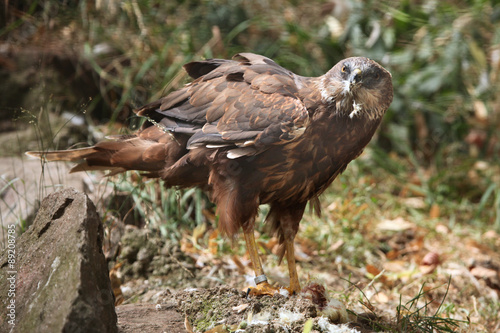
x,y
430,259
414,202
429,262
331,207
240,308
212,242
187,246
377,273
187,325
114,277
435,211
199,232
272,243
392,254
238,263
491,234
337,245
483,272
395,266
442,229
300,255
380,297
398,224
372,270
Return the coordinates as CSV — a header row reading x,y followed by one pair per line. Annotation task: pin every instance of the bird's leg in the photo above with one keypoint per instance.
x,y
263,287
294,287
289,225
285,221
254,254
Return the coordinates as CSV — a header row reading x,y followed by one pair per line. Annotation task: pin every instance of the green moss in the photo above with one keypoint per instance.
x,y
211,313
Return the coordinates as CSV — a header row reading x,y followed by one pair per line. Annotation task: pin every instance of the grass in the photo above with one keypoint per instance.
x,y
168,210
413,317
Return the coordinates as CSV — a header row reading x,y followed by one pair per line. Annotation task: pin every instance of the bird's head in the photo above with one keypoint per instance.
x,y
358,87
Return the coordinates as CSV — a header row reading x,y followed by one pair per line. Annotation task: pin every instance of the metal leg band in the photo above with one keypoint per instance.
x,y
260,279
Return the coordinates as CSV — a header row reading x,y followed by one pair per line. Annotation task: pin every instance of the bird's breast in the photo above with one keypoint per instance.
x,y
303,168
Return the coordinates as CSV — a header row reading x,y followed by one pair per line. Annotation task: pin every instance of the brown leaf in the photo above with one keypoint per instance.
x,y
395,266
271,243
187,325
306,245
398,224
392,254
239,264
240,308
199,232
381,297
301,255
375,272
317,293
430,259
415,245
187,246
424,269
414,202
337,245
435,211
372,270
212,242
116,283
491,234
442,229
483,272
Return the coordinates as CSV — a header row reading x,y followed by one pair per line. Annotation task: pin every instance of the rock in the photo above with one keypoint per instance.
x,y
61,276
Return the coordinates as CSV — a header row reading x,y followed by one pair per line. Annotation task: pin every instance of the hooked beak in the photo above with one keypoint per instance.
x,y
356,78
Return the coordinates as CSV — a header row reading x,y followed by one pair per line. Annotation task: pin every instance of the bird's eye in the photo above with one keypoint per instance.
x,y
343,69
377,76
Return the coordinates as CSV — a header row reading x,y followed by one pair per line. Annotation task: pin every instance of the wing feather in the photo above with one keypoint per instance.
x,y
242,102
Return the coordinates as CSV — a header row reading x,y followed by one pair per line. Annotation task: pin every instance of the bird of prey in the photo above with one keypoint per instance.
x,y
251,132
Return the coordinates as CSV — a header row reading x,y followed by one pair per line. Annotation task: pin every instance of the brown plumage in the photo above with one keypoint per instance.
x,y
251,132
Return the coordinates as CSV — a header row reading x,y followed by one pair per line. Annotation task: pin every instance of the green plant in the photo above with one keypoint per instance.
x,y
416,317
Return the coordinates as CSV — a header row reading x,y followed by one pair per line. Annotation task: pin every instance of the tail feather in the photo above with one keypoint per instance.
x,y
114,156
84,166
70,155
151,150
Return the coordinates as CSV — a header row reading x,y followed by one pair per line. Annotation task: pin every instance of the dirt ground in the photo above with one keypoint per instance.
x,y
227,310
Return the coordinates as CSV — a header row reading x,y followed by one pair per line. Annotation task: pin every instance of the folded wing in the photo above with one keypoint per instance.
x,y
246,104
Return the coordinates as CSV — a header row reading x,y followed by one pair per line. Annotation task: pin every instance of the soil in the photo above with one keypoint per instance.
x,y
224,309
180,297
149,318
